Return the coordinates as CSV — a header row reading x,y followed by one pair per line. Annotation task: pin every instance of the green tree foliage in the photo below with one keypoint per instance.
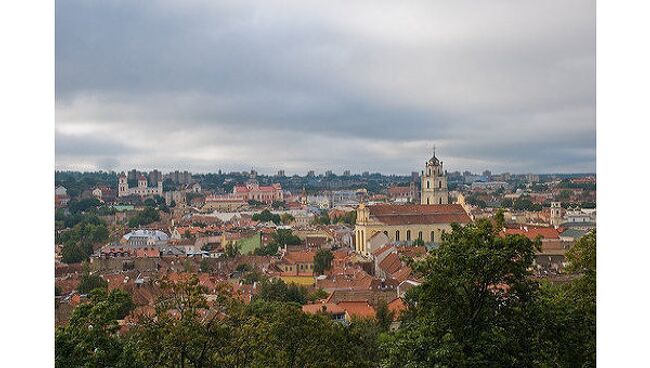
x,y
322,261
83,205
499,220
287,218
144,217
91,339
276,290
206,265
322,219
90,282
261,334
474,308
232,250
524,203
266,216
475,200
568,310
78,242
283,237
349,218
268,250
317,295
279,205
384,316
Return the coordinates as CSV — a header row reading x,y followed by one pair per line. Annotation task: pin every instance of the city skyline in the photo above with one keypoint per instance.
x,y
202,86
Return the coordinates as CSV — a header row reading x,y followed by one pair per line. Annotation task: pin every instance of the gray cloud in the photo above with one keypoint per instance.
x,y
364,86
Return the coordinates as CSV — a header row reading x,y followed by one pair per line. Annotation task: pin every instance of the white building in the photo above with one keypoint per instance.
x,y
142,190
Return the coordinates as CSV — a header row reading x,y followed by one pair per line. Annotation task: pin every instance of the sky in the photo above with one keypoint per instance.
x,y
508,86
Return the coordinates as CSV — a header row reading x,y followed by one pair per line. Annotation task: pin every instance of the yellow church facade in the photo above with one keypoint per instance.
x,y
407,222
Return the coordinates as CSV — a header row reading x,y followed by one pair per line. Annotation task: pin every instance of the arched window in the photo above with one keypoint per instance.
x,y
420,235
433,238
408,235
428,201
440,200
440,184
397,235
428,184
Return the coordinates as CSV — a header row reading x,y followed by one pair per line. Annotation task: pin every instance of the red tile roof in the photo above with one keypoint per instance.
x,y
397,306
300,257
419,214
391,263
532,232
322,307
360,309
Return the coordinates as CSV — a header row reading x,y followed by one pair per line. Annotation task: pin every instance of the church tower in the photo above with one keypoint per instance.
x,y
434,183
123,186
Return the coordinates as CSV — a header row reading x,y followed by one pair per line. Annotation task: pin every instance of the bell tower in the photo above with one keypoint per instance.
x,y
434,182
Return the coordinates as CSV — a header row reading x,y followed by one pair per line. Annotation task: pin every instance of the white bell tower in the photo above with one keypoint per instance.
x,y
434,182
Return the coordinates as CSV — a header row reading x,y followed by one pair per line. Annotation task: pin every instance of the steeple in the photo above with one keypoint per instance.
x,y
434,182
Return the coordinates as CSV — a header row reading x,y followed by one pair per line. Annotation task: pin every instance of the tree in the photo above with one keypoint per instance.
x,y
283,237
322,261
90,282
91,337
144,217
499,219
276,290
266,216
206,265
232,250
475,307
287,218
384,316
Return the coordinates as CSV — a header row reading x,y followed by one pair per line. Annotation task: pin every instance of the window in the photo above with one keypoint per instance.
x,y
397,235
433,236
440,200
428,184
408,235
440,184
420,235
428,201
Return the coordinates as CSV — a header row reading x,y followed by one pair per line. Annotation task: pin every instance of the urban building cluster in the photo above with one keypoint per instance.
x,y
224,226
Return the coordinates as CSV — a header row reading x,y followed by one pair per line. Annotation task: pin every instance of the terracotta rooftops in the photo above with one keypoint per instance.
x,y
322,307
300,257
419,214
533,232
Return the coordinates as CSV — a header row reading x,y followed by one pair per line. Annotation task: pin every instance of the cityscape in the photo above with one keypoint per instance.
x,y
347,248
373,184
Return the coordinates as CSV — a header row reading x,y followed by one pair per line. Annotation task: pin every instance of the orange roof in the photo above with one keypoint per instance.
x,y
322,307
532,232
407,214
397,306
391,263
305,256
359,309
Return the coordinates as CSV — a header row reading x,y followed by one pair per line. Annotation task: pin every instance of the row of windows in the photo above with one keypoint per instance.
x,y
408,235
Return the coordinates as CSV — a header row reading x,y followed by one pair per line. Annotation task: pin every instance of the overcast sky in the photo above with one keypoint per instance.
x,y
298,85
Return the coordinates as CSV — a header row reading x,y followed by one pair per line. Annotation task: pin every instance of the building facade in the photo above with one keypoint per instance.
x,y
142,189
406,222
